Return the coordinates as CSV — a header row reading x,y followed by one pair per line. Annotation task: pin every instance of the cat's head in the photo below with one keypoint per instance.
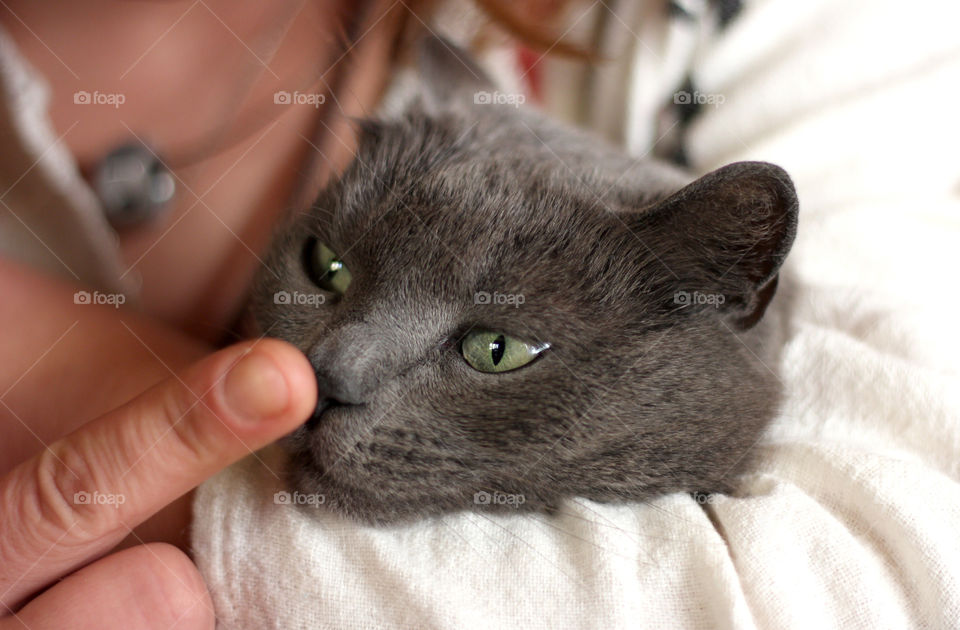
x,y
502,313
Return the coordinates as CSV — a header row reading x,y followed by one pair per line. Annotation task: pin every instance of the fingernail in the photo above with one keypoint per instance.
x,y
255,389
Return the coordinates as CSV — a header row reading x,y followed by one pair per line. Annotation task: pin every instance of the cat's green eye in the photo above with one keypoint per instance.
x,y
496,352
328,270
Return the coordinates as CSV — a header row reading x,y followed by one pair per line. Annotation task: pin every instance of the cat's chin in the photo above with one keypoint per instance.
x,y
325,493
312,474
321,487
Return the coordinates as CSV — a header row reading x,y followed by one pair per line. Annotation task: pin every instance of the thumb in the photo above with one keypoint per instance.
x,y
84,493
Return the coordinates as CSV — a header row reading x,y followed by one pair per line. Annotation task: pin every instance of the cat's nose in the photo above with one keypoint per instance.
x,y
339,387
347,370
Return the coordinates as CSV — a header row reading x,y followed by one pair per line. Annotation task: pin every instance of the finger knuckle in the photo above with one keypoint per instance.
x,y
66,496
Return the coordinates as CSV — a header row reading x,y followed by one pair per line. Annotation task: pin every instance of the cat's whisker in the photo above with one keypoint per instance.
x,y
443,522
649,503
606,550
513,534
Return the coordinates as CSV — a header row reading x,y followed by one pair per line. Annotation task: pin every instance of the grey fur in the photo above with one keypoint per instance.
x,y
639,394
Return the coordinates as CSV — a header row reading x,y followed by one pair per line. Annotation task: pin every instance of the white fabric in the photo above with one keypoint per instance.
x,y
851,519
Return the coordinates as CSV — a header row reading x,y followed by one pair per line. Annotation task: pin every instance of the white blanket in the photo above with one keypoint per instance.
x,y
851,519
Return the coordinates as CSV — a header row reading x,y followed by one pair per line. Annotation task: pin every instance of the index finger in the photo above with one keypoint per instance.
x,y
83,494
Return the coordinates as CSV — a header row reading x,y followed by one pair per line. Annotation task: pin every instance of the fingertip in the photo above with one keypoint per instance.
x,y
298,374
269,381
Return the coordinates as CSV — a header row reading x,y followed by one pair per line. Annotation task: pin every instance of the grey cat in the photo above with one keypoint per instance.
x,y
503,313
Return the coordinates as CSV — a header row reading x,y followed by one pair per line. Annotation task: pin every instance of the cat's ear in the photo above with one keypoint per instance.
x,y
724,237
448,72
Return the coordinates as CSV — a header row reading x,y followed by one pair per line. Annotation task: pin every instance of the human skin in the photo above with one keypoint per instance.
x,y
202,95
143,455
67,368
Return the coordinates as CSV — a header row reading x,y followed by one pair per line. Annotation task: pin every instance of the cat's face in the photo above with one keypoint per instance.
x,y
493,330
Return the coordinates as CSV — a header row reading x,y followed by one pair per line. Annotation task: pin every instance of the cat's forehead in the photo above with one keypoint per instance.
x,y
475,207
457,179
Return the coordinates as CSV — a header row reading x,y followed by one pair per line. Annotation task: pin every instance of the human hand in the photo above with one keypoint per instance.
x,y
83,494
